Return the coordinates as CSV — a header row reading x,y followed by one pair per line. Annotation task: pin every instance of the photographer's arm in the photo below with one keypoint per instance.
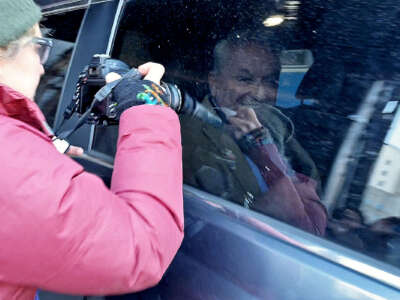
x,y
64,231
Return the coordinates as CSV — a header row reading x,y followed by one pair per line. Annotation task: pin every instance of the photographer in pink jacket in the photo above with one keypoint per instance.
x,y
61,228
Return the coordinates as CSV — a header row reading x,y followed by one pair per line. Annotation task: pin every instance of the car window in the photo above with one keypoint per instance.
x,y
63,30
292,84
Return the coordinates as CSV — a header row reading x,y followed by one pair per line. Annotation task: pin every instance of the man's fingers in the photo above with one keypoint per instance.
x,y
241,124
244,125
152,71
112,76
248,113
239,127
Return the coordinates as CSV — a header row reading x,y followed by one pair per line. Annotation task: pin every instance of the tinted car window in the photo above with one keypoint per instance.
x,y
63,30
309,136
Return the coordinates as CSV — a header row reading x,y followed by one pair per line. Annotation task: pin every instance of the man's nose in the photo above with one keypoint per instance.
x,y
260,92
264,93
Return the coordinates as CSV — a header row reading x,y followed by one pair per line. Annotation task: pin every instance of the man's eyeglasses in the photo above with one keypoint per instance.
x,y
44,46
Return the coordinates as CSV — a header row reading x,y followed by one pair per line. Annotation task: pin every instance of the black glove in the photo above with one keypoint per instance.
x,y
132,91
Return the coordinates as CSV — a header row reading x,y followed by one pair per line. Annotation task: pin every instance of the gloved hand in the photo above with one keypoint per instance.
x,y
133,91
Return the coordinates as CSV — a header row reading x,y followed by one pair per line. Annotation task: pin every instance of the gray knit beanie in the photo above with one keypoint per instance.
x,y
16,17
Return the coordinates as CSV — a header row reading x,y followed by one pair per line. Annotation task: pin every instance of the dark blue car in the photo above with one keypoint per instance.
x,y
327,83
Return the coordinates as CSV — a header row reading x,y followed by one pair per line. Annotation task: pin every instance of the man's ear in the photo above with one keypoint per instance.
x,y
213,83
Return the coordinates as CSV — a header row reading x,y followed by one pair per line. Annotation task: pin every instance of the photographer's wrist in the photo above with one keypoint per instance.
x,y
133,92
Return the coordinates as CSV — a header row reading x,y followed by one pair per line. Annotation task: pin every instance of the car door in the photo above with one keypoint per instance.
x,y
336,110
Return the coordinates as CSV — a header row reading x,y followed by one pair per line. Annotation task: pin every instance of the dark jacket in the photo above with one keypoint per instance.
x,y
213,161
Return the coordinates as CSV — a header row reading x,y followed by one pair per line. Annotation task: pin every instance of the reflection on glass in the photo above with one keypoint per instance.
x,y
247,160
274,20
288,95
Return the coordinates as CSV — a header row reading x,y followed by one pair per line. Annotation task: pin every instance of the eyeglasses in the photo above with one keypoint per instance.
x,y
44,48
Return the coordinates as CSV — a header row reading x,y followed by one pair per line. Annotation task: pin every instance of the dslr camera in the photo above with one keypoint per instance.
x,y
93,98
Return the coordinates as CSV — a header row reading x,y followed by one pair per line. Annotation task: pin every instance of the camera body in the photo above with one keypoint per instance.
x,y
93,97
90,80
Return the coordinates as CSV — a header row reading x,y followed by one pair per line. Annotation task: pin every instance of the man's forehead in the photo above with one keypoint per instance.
x,y
252,59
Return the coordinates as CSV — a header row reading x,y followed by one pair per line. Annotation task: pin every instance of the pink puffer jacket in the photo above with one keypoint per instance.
x,y
63,230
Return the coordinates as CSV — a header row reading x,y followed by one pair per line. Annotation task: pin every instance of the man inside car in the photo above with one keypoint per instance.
x,y
245,161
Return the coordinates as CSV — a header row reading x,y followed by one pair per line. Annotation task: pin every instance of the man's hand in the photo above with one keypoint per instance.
x,y
245,121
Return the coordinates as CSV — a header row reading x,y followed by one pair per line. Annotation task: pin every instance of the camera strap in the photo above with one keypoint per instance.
x,y
99,97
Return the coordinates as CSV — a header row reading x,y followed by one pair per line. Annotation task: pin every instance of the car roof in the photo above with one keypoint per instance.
x,y
55,6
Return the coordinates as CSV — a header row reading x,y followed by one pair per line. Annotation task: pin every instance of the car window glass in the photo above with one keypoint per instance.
x,y
300,140
63,30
